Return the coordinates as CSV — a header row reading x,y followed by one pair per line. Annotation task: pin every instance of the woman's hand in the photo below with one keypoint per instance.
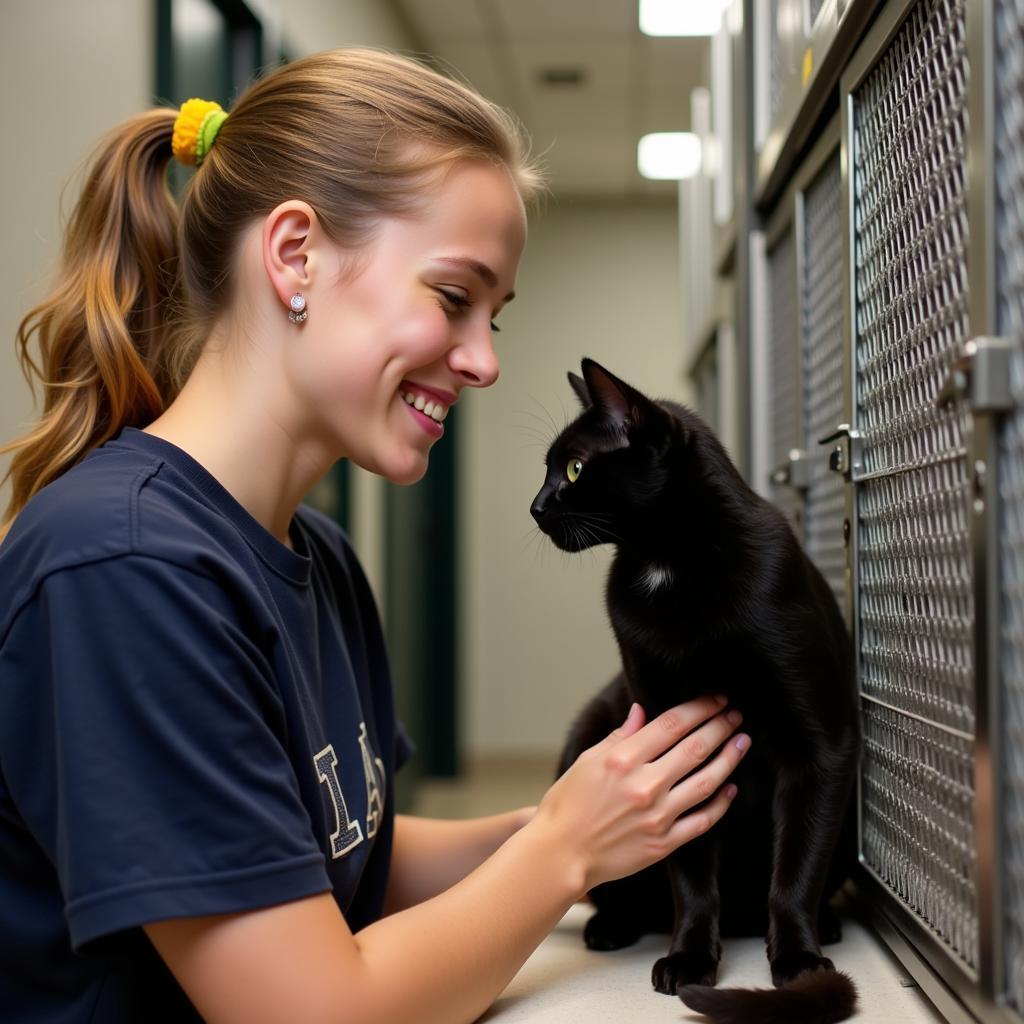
x,y
622,805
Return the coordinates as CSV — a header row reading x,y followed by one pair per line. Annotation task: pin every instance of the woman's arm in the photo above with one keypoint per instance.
x,y
430,855
620,807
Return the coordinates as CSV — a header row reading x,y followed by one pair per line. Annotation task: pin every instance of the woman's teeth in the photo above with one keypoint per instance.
x,y
428,406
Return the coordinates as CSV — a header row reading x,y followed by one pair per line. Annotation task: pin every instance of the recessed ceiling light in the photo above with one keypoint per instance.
x,y
681,17
669,155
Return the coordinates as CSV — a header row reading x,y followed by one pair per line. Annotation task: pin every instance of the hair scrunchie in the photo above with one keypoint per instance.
x,y
195,128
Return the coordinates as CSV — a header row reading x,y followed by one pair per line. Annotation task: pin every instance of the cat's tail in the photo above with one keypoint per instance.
x,y
815,997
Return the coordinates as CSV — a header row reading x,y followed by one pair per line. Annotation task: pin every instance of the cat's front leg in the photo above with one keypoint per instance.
x,y
629,908
696,947
810,803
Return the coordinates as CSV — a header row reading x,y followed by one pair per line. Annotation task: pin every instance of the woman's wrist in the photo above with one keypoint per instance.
x,y
559,859
521,817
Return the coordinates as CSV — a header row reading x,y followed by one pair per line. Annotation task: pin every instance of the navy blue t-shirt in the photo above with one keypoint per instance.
x,y
194,719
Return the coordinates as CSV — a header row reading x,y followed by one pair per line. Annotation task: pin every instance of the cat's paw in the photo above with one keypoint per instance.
x,y
672,972
791,965
606,931
830,929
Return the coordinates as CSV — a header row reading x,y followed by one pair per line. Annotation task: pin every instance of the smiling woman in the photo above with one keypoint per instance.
x,y
198,738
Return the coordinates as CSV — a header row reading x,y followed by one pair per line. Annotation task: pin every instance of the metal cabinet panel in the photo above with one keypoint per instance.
x,y
821,341
1011,542
783,362
1008,172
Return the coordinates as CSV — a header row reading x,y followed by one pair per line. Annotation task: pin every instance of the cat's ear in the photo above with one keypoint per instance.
x,y
579,385
624,405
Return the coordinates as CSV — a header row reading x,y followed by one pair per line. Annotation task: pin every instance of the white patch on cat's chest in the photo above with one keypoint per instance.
x,y
654,577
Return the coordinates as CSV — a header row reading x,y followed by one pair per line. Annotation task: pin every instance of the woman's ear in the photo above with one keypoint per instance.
x,y
291,234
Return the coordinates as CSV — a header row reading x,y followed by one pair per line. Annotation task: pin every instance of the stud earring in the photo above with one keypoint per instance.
x,y
298,311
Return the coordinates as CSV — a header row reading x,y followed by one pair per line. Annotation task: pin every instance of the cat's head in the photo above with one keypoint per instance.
x,y
607,467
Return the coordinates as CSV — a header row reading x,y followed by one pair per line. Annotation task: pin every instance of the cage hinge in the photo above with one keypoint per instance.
x,y
795,472
981,376
846,454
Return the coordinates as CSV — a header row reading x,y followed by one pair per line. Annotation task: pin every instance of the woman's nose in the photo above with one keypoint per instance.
x,y
473,358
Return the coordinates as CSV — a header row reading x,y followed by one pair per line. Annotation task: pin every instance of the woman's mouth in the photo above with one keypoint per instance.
x,y
424,403
426,410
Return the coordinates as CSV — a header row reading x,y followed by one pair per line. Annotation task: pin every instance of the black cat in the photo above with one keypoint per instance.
x,y
710,592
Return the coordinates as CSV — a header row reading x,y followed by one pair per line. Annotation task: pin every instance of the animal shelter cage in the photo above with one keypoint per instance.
x,y
875,253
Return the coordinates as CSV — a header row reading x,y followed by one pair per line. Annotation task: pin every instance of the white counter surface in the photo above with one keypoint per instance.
x,y
565,983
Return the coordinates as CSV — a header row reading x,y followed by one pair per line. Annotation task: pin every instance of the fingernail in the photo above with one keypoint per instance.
x,y
731,791
632,708
742,741
720,698
734,717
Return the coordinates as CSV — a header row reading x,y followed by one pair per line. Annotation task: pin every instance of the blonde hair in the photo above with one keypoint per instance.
x,y
355,133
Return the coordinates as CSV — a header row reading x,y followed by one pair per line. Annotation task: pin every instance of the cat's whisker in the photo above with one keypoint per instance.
x,y
535,431
566,418
550,418
593,520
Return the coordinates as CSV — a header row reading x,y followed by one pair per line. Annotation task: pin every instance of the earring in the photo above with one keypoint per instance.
x,y
298,311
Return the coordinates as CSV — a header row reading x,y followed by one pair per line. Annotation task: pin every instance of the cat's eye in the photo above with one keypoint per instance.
x,y
573,470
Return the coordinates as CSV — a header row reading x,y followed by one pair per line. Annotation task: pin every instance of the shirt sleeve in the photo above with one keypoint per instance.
x,y
145,749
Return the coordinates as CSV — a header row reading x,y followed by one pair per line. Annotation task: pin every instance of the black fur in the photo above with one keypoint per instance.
x,y
710,592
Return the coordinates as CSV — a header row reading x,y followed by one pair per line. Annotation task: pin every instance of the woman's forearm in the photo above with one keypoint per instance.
x,y
481,930
431,855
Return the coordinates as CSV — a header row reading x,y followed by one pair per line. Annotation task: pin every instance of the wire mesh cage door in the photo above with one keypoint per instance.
x,y
905,99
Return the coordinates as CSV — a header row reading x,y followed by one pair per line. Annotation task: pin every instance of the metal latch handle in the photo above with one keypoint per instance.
x,y
846,455
795,472
981,376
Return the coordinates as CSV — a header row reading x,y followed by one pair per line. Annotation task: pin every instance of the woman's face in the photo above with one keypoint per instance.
x,y
387,349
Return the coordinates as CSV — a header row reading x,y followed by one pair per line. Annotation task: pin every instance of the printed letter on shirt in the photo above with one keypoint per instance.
x,y
373,769
348,834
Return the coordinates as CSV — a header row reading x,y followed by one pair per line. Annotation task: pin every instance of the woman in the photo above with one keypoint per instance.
x,y
197,737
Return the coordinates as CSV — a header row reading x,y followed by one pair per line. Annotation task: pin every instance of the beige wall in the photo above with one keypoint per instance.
x,y
596,280
65,85
311,25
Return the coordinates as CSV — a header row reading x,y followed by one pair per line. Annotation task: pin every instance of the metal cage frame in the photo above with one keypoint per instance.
x,y
788,218
961,992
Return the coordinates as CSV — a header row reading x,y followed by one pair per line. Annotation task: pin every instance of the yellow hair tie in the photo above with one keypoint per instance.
x,y
195,128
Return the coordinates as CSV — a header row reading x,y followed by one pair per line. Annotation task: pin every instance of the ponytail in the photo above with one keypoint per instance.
x,y
103,331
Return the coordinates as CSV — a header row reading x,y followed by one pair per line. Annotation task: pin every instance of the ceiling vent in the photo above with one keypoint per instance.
x,y
562,78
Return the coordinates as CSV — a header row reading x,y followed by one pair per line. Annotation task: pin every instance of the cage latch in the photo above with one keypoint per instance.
x,y
846,455
981,377
795,472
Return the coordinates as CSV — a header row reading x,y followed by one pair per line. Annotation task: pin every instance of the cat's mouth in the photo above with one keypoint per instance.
x,y
566,533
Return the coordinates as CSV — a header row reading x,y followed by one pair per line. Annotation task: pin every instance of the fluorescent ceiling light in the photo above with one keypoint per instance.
x,y
681,17
668,155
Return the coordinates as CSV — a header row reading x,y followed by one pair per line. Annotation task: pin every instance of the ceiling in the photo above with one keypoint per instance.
x,y
631,84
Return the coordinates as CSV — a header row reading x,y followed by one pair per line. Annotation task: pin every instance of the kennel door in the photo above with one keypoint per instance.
x,y
904,108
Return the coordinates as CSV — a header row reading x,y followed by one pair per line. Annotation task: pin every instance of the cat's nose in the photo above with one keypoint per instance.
x,y
539,507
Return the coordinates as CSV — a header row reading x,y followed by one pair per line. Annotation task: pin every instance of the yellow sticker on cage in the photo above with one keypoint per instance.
x,y
808,67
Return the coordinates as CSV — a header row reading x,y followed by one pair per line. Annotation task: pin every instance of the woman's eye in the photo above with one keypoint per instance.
x,y
573,470
460,302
